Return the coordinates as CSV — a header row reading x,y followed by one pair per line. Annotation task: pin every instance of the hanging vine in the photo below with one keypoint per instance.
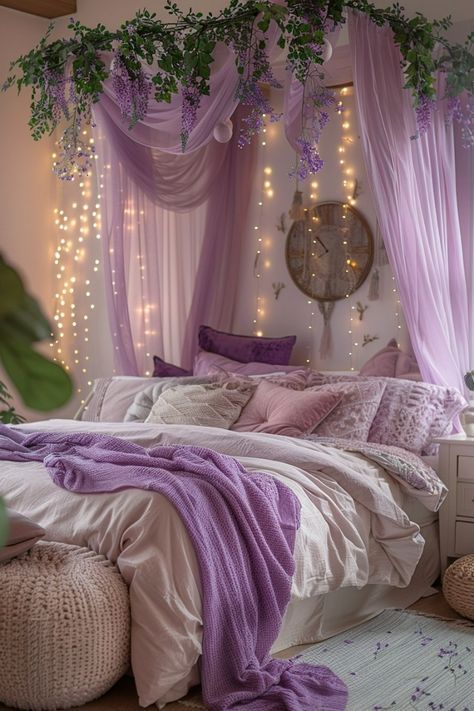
x,y
66,76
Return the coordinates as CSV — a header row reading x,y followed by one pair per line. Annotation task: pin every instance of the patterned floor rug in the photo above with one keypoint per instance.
x,y
399,661
403,660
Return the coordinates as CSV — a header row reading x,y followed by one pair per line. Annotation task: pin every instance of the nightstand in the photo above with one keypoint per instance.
x,y
456,515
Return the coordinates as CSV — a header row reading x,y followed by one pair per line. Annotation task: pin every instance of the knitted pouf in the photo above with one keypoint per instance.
x,y
64,627
458,586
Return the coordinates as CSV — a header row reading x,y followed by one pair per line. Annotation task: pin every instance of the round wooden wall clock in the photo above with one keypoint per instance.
x,y
329,254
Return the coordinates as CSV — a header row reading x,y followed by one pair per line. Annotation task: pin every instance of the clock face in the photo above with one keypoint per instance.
x,y
329,254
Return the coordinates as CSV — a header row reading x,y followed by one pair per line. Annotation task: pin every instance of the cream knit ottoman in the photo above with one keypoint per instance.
x,y
458,586
64,627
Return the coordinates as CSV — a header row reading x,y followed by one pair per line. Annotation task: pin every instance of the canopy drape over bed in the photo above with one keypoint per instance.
x,y
174,223
422,191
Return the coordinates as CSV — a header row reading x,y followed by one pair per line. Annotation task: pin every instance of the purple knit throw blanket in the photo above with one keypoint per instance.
x,y
243,528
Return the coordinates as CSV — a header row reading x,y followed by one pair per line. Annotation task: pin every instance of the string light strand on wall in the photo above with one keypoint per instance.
x,y
74,259
266,191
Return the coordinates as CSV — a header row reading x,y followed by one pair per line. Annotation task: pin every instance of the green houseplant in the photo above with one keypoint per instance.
x,y
42,384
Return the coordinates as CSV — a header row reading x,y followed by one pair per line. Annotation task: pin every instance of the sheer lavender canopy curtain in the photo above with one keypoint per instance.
x,y
172,223
421,189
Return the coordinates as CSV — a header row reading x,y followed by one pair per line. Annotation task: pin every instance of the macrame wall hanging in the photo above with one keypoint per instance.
x,y
380,260
325,346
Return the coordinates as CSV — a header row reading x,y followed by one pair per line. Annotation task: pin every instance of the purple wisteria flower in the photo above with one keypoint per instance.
x,y
424,114
463,114
55,83
132,91
251,95
317,99
75,155
191,101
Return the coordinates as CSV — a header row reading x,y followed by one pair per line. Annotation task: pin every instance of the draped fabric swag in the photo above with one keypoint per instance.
x,y
421,189
172,223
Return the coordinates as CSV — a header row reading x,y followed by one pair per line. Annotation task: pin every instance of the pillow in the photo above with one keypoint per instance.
x,y
144,400
207,405
391,362
277,410
353,416
411,414
206,363
162,369
22,535
247,349
297,380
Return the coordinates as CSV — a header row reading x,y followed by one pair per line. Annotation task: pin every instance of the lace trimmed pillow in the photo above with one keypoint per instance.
x,y
353,416
206,405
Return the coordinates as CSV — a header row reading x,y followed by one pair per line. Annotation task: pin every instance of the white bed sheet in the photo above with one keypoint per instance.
x,y
116,524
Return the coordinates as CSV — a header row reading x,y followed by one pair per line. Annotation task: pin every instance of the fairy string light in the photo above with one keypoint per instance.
x,y
266,191
76,261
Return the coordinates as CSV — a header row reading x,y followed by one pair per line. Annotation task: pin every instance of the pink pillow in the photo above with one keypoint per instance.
x,y
206,363
353,416
276,410
298,380
390,362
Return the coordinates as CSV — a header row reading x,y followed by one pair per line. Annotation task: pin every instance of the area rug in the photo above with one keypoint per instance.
x,y
399,660
403,660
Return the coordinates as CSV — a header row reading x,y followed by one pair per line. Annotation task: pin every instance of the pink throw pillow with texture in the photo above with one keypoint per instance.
x,y
355,413
391,362
207,363
277,410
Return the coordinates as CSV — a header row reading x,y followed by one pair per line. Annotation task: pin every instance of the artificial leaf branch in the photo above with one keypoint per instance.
x,y
66,76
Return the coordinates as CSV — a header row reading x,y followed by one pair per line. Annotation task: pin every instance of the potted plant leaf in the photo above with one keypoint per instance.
x,y
42,384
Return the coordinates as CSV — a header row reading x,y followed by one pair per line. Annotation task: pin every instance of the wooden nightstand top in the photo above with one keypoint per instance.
x,y
460,438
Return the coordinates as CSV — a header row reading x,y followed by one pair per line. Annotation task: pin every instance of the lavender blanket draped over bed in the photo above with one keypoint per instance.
x,y
243,530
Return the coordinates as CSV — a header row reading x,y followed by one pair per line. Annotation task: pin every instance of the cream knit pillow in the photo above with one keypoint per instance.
x,y
208,405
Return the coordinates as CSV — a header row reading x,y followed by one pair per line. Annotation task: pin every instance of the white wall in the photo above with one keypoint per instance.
x,y
25,180
292,312
26,183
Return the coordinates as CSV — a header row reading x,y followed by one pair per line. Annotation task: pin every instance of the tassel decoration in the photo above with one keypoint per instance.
x,y
325,346
374,287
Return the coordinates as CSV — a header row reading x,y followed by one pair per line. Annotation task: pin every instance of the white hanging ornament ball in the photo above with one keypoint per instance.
x,y
223,131
327,51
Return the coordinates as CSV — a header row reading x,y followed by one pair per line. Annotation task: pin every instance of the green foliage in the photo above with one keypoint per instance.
x,y
42,384
181,51
8,414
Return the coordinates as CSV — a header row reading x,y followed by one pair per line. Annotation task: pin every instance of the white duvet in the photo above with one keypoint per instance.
x,y
353,532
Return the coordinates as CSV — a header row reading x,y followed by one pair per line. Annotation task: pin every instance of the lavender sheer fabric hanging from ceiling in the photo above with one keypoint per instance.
x,y
415,193
172,223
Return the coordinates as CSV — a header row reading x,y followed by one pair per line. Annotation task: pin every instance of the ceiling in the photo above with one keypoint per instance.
x,y
43,8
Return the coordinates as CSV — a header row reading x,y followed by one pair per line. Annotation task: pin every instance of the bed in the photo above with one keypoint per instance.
x,y
367,541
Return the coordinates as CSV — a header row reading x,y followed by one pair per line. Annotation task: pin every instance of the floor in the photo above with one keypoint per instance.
x,y
123,696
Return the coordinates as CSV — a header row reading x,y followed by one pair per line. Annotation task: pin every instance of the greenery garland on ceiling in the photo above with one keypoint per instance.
x,y
66,76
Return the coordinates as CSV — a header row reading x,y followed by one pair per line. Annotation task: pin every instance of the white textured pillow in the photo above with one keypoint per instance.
x,y
207,405
145,399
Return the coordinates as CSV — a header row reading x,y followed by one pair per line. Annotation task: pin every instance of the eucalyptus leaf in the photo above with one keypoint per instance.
x,y
42,384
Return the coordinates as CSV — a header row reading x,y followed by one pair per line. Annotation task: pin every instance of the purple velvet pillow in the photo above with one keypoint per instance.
x,y
167,370
247,349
